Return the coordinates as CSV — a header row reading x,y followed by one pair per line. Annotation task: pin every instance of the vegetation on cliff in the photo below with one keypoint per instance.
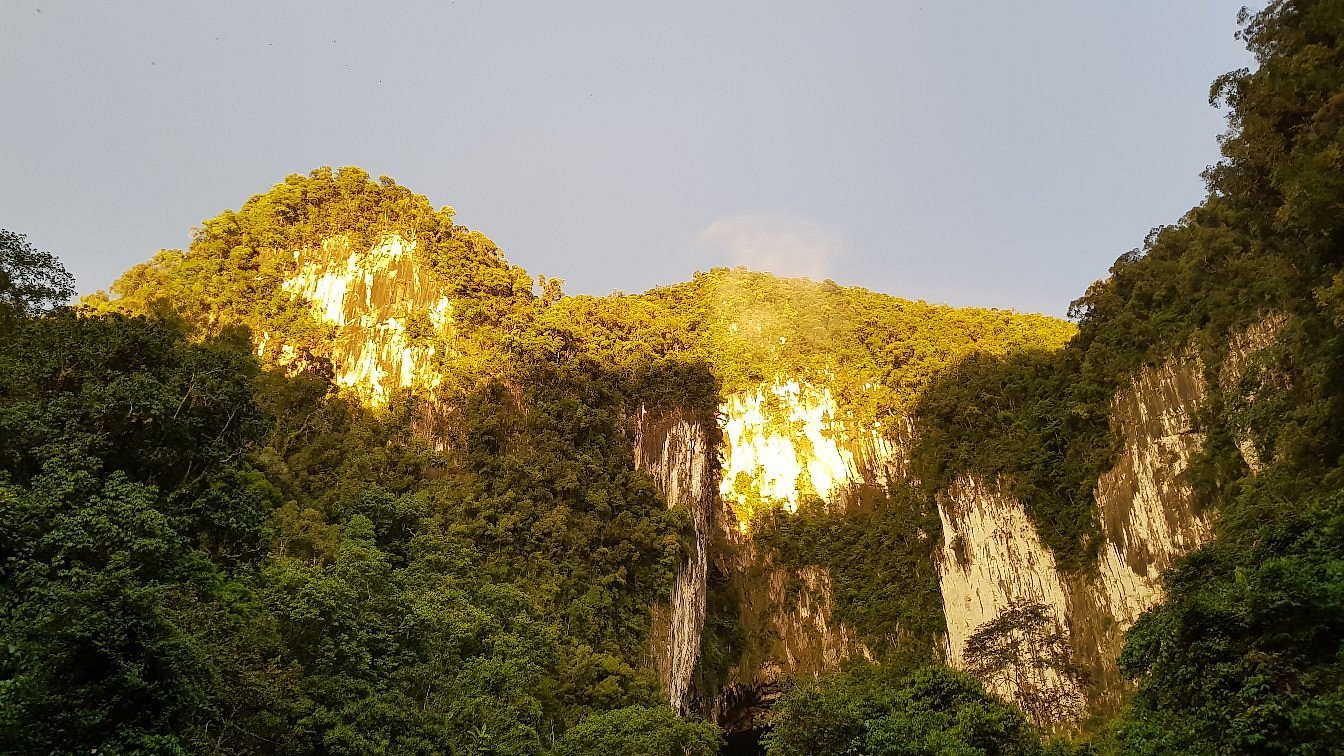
x,y
886,711
880,558
207,550
202,553
321,578
1245,654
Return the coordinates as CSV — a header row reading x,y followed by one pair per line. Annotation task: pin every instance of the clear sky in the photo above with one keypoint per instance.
x,y
987,153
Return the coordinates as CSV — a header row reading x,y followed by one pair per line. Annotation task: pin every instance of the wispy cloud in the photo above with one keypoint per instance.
x,y
782,245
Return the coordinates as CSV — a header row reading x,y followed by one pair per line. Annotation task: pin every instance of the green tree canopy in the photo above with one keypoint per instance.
x,y
30,280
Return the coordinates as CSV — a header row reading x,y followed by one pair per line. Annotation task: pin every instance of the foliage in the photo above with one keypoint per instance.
x,y
875,352
126,520
932,710
235,269
639,731
880,557
1244,655
1028,420
202,554
723,640
1025,650
30,280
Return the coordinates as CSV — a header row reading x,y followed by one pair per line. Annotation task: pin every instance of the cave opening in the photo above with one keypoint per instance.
x,y
744,742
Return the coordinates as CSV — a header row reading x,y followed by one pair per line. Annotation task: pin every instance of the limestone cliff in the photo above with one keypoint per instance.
x,y
785,442
388,318
993,563
678,454
780,443
788,441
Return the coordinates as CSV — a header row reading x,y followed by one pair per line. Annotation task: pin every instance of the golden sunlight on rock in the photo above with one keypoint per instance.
x,y
389,321
783,444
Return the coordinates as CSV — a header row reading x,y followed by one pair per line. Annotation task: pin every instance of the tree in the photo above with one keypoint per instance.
x,y
31,281
124,518
932,711
1025,653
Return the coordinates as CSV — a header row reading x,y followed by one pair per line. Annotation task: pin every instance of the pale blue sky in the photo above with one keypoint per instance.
x,y
989,153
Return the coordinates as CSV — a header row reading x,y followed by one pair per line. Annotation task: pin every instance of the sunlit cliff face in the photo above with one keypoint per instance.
x,y
993,562
783,443
389,319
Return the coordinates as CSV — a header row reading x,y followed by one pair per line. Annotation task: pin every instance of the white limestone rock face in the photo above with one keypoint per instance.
x,y
1147,511
810,638
991,557
370,297
993,562
1146,508
785,442
676,453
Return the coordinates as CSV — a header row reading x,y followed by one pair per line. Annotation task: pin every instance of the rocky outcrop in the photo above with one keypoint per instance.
x,y
387,317
787,442
1147,511
784,443
992,563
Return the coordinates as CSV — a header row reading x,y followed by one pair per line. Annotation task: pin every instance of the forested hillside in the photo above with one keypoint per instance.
x,y
340,478
207,554
215,546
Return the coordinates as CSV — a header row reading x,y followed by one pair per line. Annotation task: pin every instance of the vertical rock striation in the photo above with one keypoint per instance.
x,y
993,563
374,300
785,442
676,453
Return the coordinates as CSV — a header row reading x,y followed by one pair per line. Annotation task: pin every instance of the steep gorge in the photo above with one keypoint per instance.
x,y
991,564
814,422
784,443
339,478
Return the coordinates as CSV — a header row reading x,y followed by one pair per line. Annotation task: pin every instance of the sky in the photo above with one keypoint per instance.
x,y
974,153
